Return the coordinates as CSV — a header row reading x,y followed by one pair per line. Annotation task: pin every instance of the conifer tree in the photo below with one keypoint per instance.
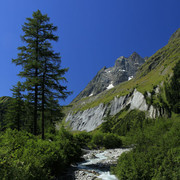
x,y
15,112
50,86
173,89
40,65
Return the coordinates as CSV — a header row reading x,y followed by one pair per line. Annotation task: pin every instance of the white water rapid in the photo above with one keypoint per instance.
x,y
97,164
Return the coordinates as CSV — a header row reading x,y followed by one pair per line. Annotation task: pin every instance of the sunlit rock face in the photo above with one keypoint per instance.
x,y
90,119
87,120
123,70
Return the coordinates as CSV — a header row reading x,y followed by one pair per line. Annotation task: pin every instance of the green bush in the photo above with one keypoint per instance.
x,y
70,150
170,167
98,139
112,141
83,138
124,122
156,152
105,140
26,157
132,121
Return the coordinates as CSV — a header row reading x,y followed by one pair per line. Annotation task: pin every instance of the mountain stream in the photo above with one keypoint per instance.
x,y
97,164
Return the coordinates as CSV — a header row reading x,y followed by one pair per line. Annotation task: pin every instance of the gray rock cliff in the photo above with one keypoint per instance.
x,y
90,119
123,70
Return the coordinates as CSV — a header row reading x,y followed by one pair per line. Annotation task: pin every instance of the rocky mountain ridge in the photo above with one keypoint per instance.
x,y
123,70
145,92
90,119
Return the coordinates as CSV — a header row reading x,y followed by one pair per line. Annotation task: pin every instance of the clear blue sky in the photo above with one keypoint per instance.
x,y
92,34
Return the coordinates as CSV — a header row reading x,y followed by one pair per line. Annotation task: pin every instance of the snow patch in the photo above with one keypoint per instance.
x,y
108,70
129,78
91,95
122,70
110,86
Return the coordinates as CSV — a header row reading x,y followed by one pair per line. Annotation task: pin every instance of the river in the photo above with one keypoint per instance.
x,y
97,164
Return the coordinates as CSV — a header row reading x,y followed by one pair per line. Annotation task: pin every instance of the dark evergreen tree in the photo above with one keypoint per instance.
x,y
29,109
4,103
29,59
51,76
173,89
53,114
15,113
41,65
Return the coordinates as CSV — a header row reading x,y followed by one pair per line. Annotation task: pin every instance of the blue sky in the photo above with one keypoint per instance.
x,y
92,34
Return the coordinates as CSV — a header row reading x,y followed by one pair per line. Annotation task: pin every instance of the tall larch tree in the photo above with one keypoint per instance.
x,y
51,76
40,65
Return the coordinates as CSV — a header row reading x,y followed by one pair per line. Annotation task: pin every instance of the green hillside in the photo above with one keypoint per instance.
x,y
158,68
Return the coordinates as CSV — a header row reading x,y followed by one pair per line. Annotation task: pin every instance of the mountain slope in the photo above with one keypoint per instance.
x,y
148,81
123,70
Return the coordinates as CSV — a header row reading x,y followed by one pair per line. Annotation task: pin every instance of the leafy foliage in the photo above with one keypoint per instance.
x,y
121,124
24,156
83,138
156,155
106,140
97,140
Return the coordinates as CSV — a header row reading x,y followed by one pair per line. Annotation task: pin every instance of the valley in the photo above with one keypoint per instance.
x,y
135,103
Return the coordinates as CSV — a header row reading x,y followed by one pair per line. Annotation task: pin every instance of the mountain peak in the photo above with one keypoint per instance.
x,y
136,58
120,61
134,54
123,70
121,57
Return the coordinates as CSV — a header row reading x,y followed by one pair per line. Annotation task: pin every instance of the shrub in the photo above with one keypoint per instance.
x,y
83,138
106,140
26,157
112,141
156,154
97,140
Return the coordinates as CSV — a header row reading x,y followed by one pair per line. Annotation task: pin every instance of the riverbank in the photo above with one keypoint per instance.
x,y
96,165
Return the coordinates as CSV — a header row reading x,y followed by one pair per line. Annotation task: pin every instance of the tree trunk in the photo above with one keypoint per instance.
x,y
36,86
43,106
35,110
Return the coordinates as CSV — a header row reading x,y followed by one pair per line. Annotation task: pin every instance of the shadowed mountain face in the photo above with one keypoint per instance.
x,y
123,70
